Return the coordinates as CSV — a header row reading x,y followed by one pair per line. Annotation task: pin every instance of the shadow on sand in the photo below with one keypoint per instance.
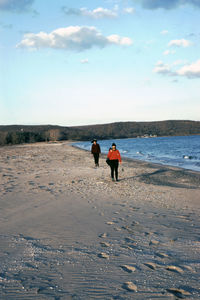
x,y
169,177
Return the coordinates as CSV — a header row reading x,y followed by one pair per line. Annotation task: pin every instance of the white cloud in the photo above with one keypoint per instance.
x,y
15,5
190,71
167,52
116,39
164,32
180,43
85,61
178,62
162,68
73,38
97,13
129,10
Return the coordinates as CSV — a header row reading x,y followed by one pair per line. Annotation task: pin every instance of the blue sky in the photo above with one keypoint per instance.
x,y
77,62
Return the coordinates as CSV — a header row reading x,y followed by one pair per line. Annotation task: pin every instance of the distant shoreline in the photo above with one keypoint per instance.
x,y
19,134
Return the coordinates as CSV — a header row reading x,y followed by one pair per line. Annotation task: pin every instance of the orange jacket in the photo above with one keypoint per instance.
x,y
114,155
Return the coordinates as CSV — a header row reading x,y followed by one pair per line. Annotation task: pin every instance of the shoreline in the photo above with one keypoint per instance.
x,y
148,164
68,232
71,142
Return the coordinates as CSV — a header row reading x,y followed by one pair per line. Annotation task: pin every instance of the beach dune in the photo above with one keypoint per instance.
x,y
68,232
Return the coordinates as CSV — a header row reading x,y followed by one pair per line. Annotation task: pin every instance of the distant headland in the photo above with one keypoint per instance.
x,y
19,134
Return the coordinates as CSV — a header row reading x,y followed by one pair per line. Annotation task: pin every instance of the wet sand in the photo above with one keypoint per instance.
x,y
68,232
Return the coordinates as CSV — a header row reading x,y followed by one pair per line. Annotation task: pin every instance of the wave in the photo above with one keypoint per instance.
x,y
189,157
140,153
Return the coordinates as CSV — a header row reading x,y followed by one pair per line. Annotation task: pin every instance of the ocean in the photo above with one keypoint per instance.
x,y
178,151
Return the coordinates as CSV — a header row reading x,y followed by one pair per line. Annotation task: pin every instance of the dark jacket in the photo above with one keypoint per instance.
x,y
95,149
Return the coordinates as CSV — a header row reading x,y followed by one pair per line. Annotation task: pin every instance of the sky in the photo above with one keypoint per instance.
x,y
69,63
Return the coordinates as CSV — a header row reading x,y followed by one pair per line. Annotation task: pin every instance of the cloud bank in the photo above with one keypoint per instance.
x,y
163,69
74,38
190,71
129,10
180,43
97,13
15,5
168,4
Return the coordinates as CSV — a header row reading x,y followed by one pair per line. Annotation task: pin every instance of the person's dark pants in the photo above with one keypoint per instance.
x,y
114,163
96,158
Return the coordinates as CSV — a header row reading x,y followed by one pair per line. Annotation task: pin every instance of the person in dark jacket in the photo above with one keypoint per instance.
x,y
96,150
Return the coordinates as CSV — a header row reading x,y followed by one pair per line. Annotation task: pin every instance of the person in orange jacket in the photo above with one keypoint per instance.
x,y
114,159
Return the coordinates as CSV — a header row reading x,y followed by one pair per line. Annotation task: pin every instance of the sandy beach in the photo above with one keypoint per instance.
x,y
68,232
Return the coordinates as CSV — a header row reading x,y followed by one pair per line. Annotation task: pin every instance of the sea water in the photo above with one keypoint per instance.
x,y
179,151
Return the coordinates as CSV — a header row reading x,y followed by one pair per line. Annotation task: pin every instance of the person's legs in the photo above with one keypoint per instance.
x,y
116,169
112,167
96,159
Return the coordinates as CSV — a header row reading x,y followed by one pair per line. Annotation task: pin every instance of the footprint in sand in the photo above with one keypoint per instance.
x,y
186,218
180,293
127,247
110,223
162,255
135,223
129,240
103,255
117,229
104,244
128,269
103,235
153,243
188,268
129,286
134,208
148,233
128,229
173,240
31,183
150,265
175,269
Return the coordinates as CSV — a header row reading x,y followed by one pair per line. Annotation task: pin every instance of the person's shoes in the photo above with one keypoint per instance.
x,y
117,179
113,179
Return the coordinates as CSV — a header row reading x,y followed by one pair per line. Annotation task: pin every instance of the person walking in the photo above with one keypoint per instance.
x,y
114,159
96,150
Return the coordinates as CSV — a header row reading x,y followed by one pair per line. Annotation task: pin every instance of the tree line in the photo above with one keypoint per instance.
x,y
20,134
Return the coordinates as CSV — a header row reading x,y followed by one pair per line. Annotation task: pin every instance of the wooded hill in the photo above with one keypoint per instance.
x,y
18,134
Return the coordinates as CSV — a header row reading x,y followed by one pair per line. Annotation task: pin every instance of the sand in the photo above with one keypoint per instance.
x,y
68,232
